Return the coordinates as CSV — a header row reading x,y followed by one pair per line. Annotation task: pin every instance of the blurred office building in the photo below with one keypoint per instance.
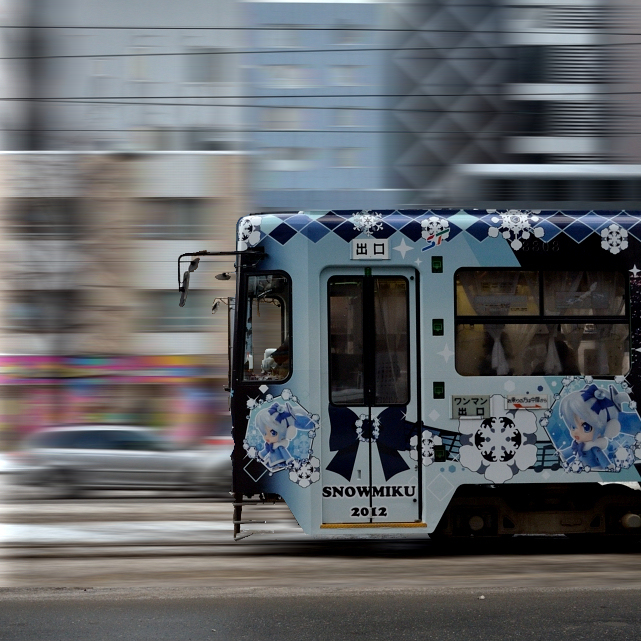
x,y
317,120
116,160
132,132
491,103
514,103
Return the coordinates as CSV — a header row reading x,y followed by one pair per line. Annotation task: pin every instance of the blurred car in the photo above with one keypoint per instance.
x,y
73,458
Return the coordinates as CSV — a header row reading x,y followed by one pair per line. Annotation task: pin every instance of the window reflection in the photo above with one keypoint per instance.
x,y
497,293
267,340
584,293
346,341
542,349
369,351
580,328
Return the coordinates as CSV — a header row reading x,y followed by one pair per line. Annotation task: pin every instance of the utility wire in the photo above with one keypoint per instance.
x,y
215,51
547,96
343,131
575,18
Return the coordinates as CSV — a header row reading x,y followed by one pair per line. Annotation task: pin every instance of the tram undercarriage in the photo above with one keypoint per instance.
x,y
504,510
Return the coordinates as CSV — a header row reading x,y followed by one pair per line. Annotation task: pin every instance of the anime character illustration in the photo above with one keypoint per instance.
x,y
592,417
279,424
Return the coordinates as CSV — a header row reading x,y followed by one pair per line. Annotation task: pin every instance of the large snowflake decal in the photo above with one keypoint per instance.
x,y
614,238
305,472
248,232
500,445
515,225
435,230
429,440
367,222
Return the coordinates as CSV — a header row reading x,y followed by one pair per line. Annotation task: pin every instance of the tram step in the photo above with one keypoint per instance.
x,y
245,522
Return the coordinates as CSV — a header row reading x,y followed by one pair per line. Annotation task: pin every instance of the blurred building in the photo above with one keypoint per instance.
x,y
517,103
315,72
445,79
132,132
121,150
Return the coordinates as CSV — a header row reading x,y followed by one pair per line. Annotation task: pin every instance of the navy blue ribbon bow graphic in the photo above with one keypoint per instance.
x,y
602,401
393,435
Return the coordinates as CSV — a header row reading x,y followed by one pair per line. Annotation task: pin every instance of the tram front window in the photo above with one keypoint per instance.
x,y
267,349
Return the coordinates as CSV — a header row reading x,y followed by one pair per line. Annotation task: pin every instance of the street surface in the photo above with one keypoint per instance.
x,y
378,614
165,567
125,540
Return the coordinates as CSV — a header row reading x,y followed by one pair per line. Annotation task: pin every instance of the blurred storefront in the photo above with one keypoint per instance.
x,y
92,273
180,395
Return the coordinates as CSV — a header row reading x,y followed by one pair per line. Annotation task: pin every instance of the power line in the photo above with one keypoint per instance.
x,y
215,51
339,130
350,28
508,95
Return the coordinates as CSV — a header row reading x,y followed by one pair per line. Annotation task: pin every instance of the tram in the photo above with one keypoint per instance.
x,y
441,372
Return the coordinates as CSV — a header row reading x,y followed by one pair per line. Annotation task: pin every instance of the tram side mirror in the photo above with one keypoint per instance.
x,y
184,288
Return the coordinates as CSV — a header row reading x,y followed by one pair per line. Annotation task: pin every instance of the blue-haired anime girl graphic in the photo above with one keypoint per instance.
x,y
278,425
592,418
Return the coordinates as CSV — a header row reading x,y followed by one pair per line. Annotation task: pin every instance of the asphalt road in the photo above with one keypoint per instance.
x,y
141,541
284,614
166,567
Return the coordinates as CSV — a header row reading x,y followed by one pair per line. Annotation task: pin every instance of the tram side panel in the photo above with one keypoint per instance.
x,y
275,376
540,388
527,327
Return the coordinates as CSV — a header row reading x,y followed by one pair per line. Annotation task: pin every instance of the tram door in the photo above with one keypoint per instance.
x,y
371,405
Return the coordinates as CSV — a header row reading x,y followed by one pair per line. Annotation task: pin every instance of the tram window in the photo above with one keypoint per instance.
x,y
368,351
267,352
584,293
497,293
582,328
346,364
391,357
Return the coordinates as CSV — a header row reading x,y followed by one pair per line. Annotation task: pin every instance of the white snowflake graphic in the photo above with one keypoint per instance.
x,y
304,472
576,467
498,446
614,238
637,443
367,222
252,452
516,225
248,232
623,457
435,229
429,440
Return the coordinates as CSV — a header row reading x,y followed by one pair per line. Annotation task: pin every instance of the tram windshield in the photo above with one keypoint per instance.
x,y
267,334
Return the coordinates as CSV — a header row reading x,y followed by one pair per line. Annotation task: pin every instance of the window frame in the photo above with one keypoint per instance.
x,y
241,316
